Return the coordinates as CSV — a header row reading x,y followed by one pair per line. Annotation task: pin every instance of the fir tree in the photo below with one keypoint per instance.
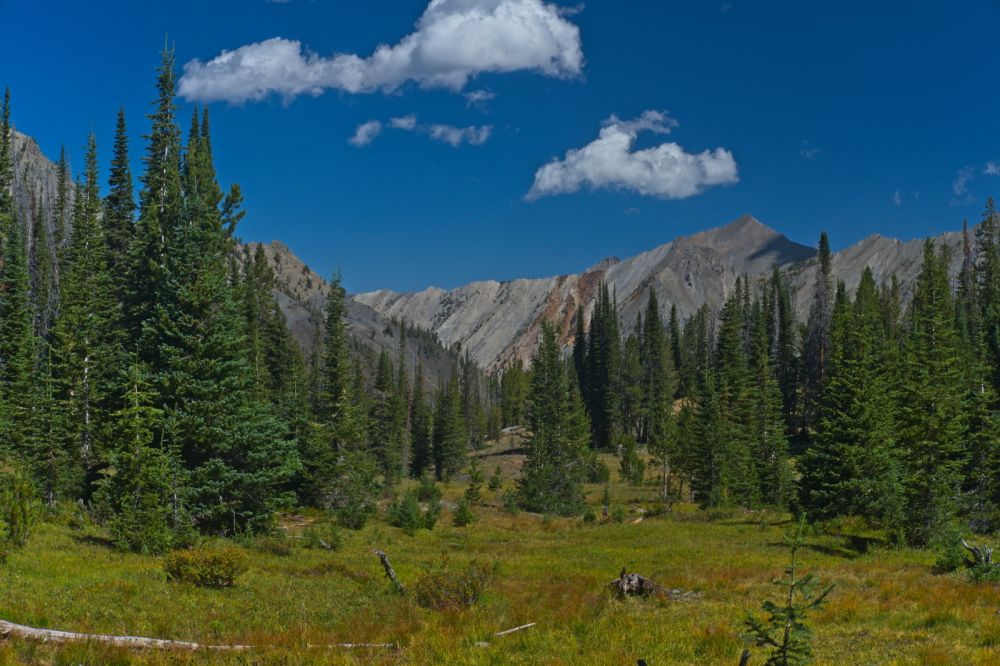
x,y
450,439
817,337
17,345
421,457
119,211
553,472
932,419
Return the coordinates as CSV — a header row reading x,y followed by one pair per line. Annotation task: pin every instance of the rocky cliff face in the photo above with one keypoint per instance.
x,y
35,186
499,322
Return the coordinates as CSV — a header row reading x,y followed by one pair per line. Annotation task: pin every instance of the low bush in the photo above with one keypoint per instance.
x,y
496,481
203,566
597,471
510,501
448,589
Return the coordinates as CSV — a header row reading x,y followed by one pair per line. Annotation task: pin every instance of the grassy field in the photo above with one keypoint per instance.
x,y
888,606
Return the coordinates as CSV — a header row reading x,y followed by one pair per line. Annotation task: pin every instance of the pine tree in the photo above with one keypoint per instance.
x,y
553,472
603,371
421,446
41,270
17,345
852,467
85,337
450,440
119,211
137,487
658,392
933,422
816,348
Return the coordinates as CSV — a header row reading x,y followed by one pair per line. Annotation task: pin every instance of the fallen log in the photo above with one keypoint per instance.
x,y
8,629
636,585
511,631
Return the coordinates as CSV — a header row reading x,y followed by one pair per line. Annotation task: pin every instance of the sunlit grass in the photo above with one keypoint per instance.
x,y
888,606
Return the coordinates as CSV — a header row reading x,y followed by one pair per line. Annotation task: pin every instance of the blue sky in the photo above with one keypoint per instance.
x,y
854,117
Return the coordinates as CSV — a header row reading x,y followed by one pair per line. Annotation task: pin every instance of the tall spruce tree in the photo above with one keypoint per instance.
x,y
853,467
421,442
119,211
85,339
932,419
450,441
17,344
553,472
816,345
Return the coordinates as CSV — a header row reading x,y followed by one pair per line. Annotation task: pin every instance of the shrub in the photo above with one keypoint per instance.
x,y
354,499
410,516
205,566
327,537
19,507
510,500
496,480
277,543
619,514
447,589
463,514
428,491
589,517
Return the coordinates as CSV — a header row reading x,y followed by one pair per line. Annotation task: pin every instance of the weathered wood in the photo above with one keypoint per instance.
x,y
390,573
980,554
8,629
511,631
353,645
636,585
745,657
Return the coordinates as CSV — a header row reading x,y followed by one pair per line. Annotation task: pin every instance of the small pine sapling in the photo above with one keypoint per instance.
x,y
474,492
784,631
496,481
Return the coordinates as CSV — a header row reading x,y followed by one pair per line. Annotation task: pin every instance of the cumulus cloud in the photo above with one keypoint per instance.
x,y
454,41
897,198
450,134
366,133
479,97
666,171
992,168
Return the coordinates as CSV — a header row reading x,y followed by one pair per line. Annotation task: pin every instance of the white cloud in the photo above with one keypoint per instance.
x,y
726,6
992,168
456,136
450,134
479,97
454,41
366,133
897,198
404,123
666,171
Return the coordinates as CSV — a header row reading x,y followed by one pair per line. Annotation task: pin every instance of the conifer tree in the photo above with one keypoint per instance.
x,y
817,336
932,419
450,439
137,487
119,211
17,345
85,337
421,446
853,467
553,472
658,392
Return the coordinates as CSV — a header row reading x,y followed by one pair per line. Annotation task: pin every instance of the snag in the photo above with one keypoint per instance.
x,y
636,585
